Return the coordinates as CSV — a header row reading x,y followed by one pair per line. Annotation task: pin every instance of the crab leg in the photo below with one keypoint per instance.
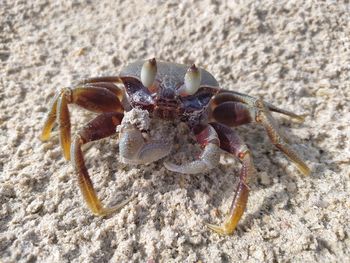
x,y
63,120
102,126
225,96
210,157
107,85
50,118
110,79
97,97
230,142
231,112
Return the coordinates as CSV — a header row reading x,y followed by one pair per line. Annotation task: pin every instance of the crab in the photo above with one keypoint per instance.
x,y
169,91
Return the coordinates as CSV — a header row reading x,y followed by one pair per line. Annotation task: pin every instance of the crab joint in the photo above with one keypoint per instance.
x,y
243,152
192,81
258,116
148,72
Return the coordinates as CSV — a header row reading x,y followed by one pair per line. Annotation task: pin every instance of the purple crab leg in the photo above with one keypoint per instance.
x,y
226,95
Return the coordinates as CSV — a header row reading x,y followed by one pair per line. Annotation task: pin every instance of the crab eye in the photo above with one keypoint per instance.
x,y
148,72
192,82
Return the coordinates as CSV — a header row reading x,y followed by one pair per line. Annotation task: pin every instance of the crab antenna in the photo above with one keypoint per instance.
x,y
148,72
192,81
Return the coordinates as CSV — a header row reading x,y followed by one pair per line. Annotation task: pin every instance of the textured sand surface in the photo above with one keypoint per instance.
x,y
294,54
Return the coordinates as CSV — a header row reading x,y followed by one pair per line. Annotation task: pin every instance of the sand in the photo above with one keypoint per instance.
x,y
295,54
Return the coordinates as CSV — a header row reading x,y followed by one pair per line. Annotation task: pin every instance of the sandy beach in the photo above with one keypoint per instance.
x,y
294,54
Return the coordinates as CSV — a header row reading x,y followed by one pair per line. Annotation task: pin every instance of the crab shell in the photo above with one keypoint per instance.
x,y
162,98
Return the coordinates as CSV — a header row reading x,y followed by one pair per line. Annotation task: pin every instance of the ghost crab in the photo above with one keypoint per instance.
x,y
168,91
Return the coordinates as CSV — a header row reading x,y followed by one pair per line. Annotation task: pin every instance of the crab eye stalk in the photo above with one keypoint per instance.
x,y
192,81
148,72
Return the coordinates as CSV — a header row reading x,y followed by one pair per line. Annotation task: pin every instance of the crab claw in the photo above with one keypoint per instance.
x,y
149,72
208,160
192,81
190,168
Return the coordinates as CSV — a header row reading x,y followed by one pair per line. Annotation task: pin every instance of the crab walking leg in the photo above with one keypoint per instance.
x,y
210,157
110,79
234,113
230,142
107,85
264,117
63,120
94,98
102,126
50,118
225,96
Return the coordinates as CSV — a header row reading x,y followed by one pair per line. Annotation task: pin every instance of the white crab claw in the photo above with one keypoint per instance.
x,y
191,168
148,72
208,160
192,81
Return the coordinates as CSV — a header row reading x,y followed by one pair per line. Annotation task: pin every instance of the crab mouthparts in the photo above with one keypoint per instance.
x,y
166,108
